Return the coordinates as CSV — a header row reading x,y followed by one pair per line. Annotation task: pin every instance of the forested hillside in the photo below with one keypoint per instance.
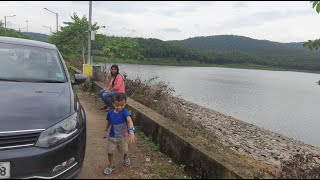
x,y
155,48
263,52
11,32
37,36
227,49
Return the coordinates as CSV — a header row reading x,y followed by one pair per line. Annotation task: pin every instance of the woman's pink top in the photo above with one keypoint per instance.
x,y
118,84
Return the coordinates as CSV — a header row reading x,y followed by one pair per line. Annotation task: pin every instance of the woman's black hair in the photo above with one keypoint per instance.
x,y
115,66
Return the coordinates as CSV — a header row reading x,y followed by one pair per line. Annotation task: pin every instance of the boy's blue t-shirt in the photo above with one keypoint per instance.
x,y
118,121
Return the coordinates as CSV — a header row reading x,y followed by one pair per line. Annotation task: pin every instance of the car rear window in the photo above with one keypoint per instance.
x,y
28,63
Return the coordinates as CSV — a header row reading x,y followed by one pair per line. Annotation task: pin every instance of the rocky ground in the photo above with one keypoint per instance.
x,y
246,139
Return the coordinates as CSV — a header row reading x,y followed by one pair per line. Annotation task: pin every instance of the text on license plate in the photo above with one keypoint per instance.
x,y
4,170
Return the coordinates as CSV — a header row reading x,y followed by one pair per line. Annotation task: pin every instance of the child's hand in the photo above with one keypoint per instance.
x,y
131,137
105,134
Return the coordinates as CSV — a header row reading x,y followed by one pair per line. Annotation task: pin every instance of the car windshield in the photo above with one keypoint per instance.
x,y
28,63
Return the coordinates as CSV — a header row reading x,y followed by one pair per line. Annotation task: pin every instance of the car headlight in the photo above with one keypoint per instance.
x,y
59,132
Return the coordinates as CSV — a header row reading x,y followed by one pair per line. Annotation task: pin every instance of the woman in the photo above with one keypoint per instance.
x,y
115,85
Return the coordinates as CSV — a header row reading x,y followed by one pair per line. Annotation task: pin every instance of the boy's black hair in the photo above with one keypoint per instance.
x,y
119,97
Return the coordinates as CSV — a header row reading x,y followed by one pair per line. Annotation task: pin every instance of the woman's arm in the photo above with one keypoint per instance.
x,y
118,82
109,87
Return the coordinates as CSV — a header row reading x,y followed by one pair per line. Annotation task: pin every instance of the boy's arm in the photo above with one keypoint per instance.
x,y
106,129
107,126
131,132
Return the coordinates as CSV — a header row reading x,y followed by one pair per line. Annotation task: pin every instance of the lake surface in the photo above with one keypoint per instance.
x,y
281,101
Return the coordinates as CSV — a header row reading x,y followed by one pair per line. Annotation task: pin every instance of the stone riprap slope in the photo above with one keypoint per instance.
x,y
244,138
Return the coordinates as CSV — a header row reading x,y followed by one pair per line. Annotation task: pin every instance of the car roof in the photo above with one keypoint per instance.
x,y
27,42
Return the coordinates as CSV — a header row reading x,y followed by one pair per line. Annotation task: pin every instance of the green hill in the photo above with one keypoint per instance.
x,y
263,49
37,36
262,52
11,33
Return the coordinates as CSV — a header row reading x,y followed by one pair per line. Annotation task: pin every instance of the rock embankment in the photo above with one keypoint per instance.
x,y
244,138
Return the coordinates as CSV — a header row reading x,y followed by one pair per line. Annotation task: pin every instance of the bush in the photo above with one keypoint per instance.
x,y
87,86
156,95
300,166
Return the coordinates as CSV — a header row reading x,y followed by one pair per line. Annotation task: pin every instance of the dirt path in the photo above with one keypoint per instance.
x,y
144,162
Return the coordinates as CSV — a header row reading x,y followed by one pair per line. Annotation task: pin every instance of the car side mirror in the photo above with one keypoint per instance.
x,y
79,79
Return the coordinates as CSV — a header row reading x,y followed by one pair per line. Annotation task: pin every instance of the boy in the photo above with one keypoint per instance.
x,y
122,130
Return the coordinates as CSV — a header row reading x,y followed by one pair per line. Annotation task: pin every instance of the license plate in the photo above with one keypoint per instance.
x,y
4,170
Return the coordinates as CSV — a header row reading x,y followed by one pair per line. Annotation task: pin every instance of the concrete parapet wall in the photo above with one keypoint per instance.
x,y
76,70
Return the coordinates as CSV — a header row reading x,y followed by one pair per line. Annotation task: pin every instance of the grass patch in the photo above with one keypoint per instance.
x,y
161,169
167,171
147,140
87,86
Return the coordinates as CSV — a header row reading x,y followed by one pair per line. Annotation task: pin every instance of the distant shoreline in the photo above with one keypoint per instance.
x,y
166,62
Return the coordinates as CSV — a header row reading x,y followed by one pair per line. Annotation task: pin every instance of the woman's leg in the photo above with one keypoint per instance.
x,y
100,95
107,98
101,92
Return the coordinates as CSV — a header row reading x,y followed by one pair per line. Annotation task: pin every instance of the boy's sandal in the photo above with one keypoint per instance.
x,y
109,170
127,161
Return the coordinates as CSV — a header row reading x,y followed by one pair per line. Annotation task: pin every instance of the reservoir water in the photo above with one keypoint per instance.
x,y
281,101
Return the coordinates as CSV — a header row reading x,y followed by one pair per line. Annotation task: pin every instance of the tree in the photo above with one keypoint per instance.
x,y
72,40
12,33
314,44
123,48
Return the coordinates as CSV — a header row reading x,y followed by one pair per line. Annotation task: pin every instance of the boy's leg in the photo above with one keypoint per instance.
x,y
126,159
123,148
110,159
111,147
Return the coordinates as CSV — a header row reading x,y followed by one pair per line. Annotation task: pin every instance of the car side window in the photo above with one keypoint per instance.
x,y
30,63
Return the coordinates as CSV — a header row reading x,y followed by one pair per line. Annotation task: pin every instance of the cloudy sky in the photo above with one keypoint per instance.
x,y
281,21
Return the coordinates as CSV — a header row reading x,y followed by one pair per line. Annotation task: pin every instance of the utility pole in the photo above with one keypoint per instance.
x,y
27,25
56,21
87,68
5,23
89,33
49,28
56,16
22,28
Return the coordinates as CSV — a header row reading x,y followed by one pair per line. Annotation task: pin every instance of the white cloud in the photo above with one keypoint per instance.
x,y
282,21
